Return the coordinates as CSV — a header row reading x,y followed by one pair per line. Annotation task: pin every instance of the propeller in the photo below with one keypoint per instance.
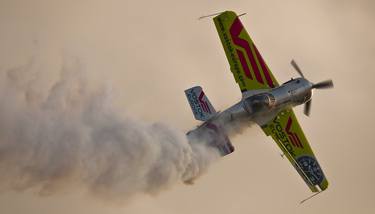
x,y
307,108
320,85
295,66
323,85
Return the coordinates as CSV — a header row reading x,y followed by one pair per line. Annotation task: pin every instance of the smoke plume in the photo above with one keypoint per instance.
x,y
71,136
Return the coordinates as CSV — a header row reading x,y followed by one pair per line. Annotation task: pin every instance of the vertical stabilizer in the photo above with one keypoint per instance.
x,y
199,103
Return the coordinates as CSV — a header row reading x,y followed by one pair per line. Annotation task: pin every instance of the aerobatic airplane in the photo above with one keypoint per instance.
x,y
264,102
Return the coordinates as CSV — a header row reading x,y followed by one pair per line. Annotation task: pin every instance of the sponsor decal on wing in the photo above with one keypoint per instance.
x,y
293,137
252,54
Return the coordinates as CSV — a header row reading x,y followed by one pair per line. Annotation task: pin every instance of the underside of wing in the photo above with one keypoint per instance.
x,y
288,135
247,65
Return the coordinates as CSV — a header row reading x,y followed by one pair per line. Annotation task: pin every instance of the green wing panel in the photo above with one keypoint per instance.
x,y
247,65
288,135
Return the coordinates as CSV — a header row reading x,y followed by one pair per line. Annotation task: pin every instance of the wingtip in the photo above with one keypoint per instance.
x,y
311,196
210,15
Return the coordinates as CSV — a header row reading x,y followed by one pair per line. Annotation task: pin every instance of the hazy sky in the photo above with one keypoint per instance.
x,y
149,52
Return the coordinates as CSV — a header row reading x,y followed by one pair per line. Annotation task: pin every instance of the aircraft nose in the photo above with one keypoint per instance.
x,y
307,83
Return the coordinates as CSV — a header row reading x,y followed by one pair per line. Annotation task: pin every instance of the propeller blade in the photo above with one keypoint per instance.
x,y
306,111
295,66
323,84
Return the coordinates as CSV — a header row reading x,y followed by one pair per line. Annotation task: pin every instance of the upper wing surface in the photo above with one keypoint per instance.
x,y
288,135
247,65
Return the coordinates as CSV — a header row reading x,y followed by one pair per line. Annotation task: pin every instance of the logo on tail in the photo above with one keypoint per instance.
x,y
199,103
203,103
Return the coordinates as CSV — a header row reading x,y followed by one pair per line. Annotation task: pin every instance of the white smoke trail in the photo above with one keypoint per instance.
x,y
74,137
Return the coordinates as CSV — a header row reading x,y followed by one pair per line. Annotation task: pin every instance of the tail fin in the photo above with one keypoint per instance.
x,y
199,103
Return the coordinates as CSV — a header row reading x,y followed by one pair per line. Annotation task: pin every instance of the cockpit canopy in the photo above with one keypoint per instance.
x,y
259,102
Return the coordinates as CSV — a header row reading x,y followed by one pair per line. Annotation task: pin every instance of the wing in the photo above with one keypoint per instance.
x,y
287,133
247,65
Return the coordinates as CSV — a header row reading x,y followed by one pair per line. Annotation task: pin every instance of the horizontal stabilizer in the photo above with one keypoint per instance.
x,y
213,135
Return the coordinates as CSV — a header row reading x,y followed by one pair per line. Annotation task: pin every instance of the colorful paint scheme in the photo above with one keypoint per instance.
x,y
264,101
